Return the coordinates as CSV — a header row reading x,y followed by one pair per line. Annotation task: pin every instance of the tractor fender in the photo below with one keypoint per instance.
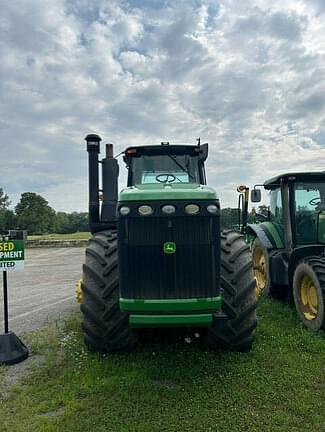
x,y
299,254
258,231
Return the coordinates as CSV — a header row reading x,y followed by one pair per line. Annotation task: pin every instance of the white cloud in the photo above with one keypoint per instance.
x,y
246,76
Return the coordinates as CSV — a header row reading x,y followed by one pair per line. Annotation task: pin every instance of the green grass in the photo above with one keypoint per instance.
x,y
72,236
174,386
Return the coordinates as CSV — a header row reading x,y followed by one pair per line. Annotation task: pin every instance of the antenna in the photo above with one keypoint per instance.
x,y
198,141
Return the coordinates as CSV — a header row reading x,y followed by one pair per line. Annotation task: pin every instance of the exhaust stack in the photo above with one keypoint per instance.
x,y
104,218
93,149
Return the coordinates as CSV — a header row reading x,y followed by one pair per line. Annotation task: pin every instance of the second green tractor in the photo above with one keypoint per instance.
x,y
288,243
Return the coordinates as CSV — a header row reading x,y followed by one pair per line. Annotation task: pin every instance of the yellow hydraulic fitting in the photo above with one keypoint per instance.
x,y
79,293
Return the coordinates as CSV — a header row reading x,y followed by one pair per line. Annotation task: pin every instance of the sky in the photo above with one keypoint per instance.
x,y
248,77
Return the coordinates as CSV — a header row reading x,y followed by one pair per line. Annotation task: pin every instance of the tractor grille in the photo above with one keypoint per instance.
x,y
146,272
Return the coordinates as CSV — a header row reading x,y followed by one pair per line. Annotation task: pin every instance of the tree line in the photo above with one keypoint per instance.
x,y
33,213
230,217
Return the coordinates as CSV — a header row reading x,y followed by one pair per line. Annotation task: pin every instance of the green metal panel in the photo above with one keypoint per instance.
x,y
168,191
170,305
203,320
274,233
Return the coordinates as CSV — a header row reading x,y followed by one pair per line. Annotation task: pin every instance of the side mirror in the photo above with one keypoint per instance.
x,y
255,195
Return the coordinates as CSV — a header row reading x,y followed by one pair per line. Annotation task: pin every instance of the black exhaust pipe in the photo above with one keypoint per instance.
x,y
93,149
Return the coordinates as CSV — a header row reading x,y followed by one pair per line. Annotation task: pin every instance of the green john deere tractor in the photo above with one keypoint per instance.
x,y
288,244
157,257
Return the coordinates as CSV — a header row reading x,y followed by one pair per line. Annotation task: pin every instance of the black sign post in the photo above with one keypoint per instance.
x,y
12,349
5,301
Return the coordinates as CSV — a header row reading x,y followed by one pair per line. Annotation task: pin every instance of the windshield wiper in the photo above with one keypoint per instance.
x,y
181,167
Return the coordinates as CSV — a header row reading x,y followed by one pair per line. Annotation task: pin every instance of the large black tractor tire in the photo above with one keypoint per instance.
x,y
261,264
238,296
309,292
104,326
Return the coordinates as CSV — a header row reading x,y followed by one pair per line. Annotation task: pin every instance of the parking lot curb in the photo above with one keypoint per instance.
x,y
55,243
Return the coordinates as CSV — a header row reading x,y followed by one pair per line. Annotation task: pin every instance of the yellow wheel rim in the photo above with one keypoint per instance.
x,y
308,298
79,293
260,272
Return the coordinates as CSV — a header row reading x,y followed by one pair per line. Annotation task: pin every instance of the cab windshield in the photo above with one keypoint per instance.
x,y
162,169
309,210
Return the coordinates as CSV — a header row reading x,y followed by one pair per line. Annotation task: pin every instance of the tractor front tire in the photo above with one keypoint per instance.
x,y
238,296
261,268
261,265
309,292
105,327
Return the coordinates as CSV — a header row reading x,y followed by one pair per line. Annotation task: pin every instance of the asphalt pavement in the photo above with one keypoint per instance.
x,y
44,290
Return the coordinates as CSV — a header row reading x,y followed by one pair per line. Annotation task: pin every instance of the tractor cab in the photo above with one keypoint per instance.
x,y
304,213
166,165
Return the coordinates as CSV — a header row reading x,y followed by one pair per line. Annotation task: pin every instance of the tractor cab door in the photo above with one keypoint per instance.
x,y
309,212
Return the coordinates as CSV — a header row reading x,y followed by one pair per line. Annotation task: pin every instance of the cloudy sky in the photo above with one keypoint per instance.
x,y
246,76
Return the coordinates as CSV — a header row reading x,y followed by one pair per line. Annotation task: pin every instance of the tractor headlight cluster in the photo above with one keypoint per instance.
x,y
124,210
192,209
168,209
145,210
212,208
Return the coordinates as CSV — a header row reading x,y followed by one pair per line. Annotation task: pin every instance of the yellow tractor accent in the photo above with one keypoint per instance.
x,y
308,298
79,293
259,265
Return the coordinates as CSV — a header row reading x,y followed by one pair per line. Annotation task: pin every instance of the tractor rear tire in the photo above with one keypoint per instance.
x,y
238,296
264,285
105,327
309,292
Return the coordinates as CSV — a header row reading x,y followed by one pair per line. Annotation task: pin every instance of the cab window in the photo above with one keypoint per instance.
x,y
307,205
276,211
155,169
276,208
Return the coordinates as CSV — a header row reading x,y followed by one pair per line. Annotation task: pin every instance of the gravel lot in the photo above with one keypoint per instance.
x,y
44,289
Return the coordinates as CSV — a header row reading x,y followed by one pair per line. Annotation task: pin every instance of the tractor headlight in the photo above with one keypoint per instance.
x,y
145,210
212,208
192,209
124,210
168,209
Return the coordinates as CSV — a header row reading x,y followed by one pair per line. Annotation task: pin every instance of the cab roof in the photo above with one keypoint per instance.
x,y
274,182
168,149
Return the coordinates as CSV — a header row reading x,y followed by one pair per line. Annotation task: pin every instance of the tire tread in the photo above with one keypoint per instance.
x,y
105,326
239,302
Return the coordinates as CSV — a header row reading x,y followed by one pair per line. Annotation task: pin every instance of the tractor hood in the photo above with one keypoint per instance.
x,y
178,191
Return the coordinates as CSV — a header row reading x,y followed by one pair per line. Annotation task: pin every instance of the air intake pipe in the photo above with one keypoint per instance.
x,y
93,149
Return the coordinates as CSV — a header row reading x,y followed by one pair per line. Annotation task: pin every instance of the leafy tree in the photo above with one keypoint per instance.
x,y
252,216
7,220
4,200
229,218
7,217
71,222
263,210
34,214
61,224
78,222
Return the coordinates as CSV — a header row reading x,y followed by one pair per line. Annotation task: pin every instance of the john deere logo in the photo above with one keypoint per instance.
x,y
169,247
